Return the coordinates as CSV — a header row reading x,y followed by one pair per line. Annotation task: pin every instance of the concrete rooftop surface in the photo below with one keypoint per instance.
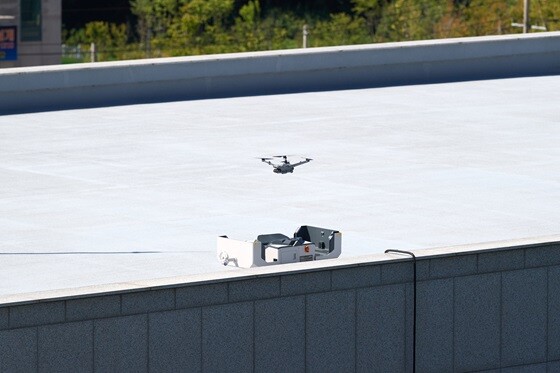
x,y
117,194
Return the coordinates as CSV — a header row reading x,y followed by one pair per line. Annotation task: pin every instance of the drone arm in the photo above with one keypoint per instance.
x,y
269,162
300,163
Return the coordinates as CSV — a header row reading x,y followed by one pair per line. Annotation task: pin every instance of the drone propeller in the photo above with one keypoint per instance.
x,y
308,159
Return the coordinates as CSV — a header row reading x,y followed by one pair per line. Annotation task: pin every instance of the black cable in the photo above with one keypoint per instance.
x,y
101,252
413,304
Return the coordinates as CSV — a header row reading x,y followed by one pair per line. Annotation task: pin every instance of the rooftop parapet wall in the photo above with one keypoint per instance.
x,y
273,72
478,308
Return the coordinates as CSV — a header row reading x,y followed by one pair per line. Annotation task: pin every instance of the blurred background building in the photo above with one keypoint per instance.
x,y
30,32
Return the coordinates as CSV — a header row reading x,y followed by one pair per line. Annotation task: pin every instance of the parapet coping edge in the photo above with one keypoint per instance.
x,y
279,270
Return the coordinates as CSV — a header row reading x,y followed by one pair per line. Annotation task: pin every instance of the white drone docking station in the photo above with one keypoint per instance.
x,y
308,244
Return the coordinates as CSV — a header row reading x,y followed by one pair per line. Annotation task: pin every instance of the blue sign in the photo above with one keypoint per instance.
x,y
8,43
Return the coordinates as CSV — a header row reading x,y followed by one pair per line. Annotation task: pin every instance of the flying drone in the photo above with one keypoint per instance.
x,y
285,166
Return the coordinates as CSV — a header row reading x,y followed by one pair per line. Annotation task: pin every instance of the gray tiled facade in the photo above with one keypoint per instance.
x,y
498,313
554,313
477,322
93,308
330,332
280,335
121,344
227,338
148,301
18,350
381,329
435,326
66,347
175,341
37,314
524,316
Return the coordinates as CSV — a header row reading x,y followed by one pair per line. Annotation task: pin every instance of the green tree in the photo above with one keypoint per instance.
x,y
371,11
410,20
110,39
482,17
200,27
248,31
543,13
193,27
155,17
340,29
282,30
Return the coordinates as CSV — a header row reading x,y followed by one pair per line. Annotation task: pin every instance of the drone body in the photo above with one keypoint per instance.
x,y
284,167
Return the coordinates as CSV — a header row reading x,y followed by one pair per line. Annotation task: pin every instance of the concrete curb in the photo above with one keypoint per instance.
x,y
275,72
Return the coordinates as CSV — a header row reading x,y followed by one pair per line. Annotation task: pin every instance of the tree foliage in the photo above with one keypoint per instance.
x,y
109,38
192,27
